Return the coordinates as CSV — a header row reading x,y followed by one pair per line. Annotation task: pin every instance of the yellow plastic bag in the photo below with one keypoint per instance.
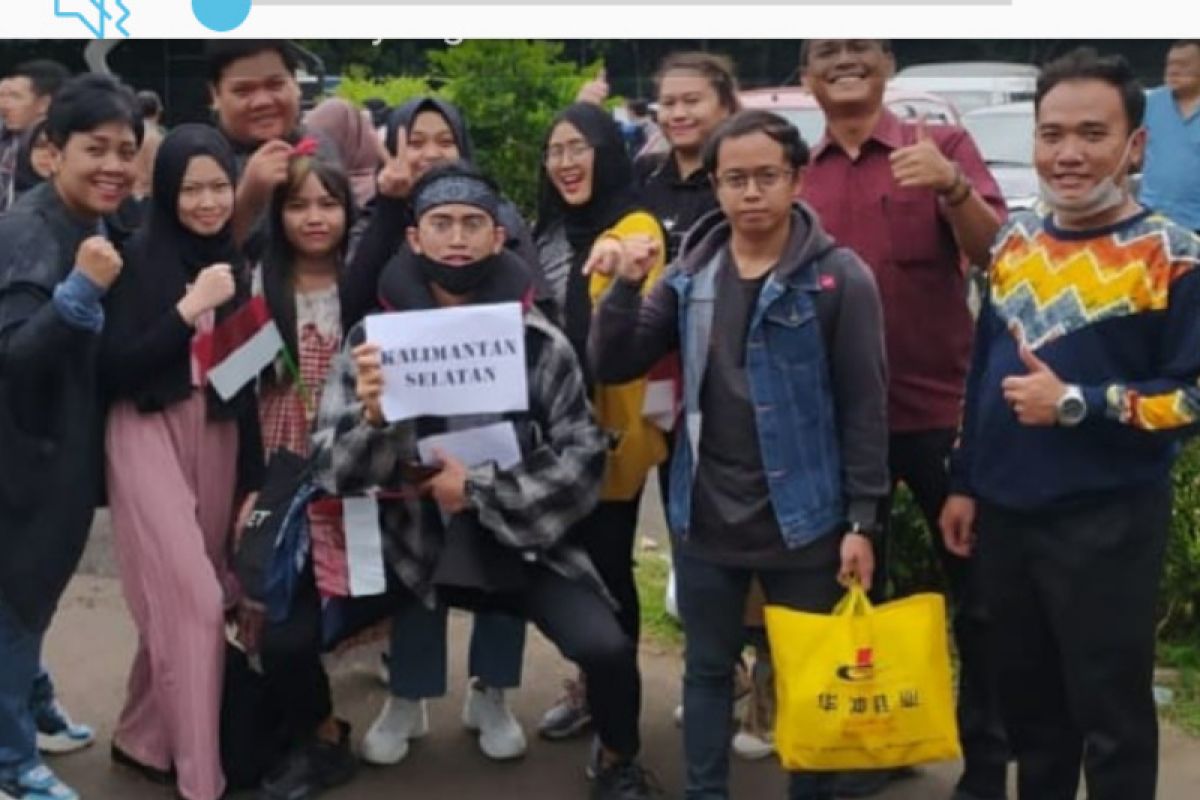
x,y
864,688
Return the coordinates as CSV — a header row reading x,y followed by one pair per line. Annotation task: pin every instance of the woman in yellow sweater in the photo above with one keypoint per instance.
x,y
587,202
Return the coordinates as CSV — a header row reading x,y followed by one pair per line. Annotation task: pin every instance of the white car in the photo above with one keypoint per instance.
x,y
1004,135
971,84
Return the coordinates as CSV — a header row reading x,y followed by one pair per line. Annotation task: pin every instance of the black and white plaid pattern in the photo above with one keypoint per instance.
x,y
531,506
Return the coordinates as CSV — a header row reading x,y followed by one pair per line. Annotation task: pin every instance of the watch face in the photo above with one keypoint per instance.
x,y
1072,410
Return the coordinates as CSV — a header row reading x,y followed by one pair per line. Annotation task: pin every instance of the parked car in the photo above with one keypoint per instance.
x,y
1004,135
971,84
797,105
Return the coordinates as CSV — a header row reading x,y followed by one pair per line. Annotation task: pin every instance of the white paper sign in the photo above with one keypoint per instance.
x,y
476,446
364,546
659,406
452,361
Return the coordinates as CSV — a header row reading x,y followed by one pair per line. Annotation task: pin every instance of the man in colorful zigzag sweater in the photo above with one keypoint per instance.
x,y
1082,385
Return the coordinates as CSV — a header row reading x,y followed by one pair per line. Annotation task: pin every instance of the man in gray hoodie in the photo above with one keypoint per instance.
x,y
784,463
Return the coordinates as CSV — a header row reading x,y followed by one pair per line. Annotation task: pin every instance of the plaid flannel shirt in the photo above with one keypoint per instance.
x,y
531,506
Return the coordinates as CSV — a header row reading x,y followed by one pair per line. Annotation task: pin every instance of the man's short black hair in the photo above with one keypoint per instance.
x,y
806,48
88,101
745,123
1179,43
1084,63
220,53
45,76
149,103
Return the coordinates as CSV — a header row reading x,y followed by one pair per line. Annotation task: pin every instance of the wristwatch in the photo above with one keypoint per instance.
x,y
1071,408
860,529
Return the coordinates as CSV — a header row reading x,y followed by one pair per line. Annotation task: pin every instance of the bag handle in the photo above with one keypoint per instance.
x,y
855,603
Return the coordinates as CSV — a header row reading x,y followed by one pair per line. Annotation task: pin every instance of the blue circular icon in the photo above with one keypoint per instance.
x,y
221,15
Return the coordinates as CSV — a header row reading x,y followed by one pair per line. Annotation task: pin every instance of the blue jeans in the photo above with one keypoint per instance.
x,y
418,657
712,601
20,659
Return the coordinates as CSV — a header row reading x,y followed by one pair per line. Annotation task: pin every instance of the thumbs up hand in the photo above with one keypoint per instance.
x,y
1034,396
594,91
921,164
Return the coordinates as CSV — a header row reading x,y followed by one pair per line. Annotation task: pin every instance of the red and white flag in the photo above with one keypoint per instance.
x,y
233,353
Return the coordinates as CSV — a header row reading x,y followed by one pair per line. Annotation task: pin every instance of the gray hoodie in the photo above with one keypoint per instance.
x,y
630,334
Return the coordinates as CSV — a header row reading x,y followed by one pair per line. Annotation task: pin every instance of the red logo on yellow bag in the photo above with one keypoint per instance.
x,y
863,668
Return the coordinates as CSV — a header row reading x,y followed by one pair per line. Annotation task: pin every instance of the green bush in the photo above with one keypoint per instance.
x,y
1179,601
358,86
509,92
914,567
912,562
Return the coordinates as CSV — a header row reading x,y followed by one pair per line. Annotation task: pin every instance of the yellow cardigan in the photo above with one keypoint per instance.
x,y
640,444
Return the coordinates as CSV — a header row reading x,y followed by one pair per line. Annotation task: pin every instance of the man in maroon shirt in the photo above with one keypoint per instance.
x,y
918,205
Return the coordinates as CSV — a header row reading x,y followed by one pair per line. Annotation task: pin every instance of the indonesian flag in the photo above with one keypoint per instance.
x,y
232,354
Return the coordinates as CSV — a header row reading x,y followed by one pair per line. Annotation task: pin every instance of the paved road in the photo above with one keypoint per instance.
x,y
92,642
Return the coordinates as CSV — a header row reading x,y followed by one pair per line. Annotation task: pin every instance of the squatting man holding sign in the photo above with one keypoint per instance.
x,y
485,536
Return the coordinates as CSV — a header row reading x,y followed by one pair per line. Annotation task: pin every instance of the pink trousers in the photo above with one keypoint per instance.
x,y
171,483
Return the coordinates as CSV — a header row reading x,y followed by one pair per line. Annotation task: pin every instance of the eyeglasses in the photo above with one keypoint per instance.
x,y
470,226
766,179
576,150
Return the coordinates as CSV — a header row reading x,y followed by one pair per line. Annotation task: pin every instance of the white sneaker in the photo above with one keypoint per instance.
x,y
387,739
752,747
500,735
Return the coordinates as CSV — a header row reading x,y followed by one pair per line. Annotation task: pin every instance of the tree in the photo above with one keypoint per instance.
x,y
358,87
509,92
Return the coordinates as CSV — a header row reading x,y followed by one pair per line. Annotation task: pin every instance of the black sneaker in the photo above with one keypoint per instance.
x,y
626,780
311,769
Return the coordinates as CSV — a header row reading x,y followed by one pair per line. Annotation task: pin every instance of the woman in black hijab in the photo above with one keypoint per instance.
x,y
178,459
587,207
434,132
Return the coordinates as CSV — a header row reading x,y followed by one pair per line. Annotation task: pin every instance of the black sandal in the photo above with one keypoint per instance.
x,y
162,777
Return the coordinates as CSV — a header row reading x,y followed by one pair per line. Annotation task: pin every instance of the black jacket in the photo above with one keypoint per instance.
x,y
51,460
678,203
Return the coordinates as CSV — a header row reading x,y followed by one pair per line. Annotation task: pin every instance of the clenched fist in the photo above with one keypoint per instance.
x,y
639,255
213,288
99,261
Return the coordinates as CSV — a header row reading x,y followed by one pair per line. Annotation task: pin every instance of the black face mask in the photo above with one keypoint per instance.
x,y
456,280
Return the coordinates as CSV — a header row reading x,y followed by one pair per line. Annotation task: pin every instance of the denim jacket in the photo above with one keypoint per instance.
x,y
815,363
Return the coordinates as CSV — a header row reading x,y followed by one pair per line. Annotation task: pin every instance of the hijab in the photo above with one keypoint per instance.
x,y
354,139
613,196
164,256
613,193
406,113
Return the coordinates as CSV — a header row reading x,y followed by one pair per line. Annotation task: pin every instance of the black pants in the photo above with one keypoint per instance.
x,y
608,536
296,681
712,601
918,460
586,630
1072,595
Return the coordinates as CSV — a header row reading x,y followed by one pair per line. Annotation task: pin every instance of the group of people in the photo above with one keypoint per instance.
x,y
780,327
